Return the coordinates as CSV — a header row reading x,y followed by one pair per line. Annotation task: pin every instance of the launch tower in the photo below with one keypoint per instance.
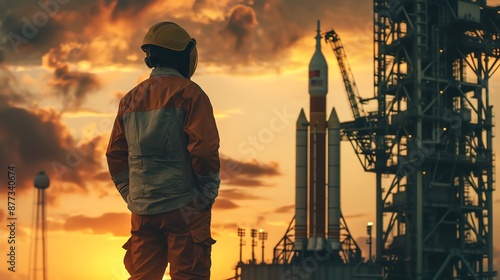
x,y
431,146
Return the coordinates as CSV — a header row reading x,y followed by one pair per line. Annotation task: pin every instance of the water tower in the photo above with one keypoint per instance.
x,y
41,183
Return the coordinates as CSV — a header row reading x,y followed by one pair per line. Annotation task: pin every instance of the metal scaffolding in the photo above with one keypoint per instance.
x,y
430,142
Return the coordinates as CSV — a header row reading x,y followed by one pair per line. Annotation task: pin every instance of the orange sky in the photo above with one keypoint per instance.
x,y
59,89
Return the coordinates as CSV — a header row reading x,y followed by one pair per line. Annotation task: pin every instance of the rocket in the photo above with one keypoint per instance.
x,y
334,180
310,192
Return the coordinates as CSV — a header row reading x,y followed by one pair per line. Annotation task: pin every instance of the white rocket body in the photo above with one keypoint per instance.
x,y
334,181
310,193
301,183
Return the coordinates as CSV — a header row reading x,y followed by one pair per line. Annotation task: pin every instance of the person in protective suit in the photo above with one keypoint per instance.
x,y
163,159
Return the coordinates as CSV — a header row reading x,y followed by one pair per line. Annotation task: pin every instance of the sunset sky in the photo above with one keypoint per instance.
x,y
65,65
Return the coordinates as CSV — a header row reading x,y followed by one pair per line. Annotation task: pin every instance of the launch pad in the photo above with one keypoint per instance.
x,y
429,144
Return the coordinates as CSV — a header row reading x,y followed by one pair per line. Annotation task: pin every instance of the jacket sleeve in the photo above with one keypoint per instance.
x,y
203,143
117,157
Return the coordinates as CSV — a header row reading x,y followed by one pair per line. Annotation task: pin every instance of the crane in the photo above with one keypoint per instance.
x,y
350,84
360,132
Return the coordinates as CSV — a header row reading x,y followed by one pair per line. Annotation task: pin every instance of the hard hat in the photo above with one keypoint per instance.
x,y
171,36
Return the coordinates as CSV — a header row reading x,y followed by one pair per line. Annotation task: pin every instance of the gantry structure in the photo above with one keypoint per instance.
x,y
430,140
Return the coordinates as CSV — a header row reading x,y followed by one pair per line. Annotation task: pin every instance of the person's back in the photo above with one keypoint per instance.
x,y
163,158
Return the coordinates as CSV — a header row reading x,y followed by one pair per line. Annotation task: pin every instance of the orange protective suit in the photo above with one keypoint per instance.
x,y
163,158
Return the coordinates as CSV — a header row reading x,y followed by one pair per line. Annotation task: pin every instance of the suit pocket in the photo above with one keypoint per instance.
x,y
164,177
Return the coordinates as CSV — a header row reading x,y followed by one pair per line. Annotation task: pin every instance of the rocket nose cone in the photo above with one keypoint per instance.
x,y
333,121
318,70
318,38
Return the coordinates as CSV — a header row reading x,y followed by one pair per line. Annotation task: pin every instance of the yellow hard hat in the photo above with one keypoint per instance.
x,y
171,36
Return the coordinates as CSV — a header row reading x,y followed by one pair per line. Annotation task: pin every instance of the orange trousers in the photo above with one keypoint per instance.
x,y
180,237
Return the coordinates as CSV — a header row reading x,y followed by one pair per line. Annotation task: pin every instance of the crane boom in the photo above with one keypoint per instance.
x,y
350,84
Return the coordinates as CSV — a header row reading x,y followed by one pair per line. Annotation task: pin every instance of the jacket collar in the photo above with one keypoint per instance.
x,y
164,71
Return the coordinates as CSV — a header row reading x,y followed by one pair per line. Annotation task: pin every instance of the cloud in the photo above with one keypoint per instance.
x,y
102,176
71,86
238,173
354,216
117,224
246,173
93,29
237,194
223,229
128,8
85,113
285,209
224,204
37,140
11,90
229,33
5,274
260,220
224,226
34,139
241,24
262,32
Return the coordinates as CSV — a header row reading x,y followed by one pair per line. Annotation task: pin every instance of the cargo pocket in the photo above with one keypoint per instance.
x,y
202,252
126,246
127,261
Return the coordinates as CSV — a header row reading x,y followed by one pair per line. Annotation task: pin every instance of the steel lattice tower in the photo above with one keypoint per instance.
x,y
431,148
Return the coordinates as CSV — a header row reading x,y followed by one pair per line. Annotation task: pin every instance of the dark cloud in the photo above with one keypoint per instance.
x,y
223,229
224,226
263,31
73,86
110,31
35,140
241,24
224,204
354,216
128,8
249,173
237,194
29,30
200,5
253,168
285,209
102,176
117,224
249,182
32,29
